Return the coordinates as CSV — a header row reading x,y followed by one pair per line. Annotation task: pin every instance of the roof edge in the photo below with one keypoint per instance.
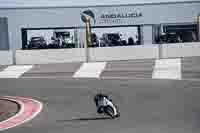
x,y
92,6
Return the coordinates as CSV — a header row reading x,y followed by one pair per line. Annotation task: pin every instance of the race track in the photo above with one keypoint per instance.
x,y
146,106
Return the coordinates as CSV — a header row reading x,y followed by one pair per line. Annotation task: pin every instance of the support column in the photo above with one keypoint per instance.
x,y
147,35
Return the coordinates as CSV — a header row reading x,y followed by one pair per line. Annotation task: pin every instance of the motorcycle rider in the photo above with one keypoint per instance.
x,y
104,105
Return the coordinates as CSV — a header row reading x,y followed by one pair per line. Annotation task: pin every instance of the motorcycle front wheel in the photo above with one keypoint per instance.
x,y
109,111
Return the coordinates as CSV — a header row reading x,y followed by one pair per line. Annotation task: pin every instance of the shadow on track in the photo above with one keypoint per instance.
x,y
86,119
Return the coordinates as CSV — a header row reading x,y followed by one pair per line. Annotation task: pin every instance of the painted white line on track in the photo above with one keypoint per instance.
x,y
14,71
90,70
29,108
167,69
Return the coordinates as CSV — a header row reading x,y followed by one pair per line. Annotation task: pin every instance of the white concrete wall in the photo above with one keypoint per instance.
x,y
123,53
101,54
78,54
6,57
50,56
180,50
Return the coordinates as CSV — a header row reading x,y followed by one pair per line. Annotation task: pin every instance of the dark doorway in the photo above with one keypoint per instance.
x,y
4,39
24,38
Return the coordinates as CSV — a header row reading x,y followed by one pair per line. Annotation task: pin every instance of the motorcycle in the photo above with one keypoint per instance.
x,y
105,105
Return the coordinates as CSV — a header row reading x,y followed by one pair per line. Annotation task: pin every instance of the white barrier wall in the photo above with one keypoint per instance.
x,y
180,50
123,53
101,54
6,57
78,54
50,56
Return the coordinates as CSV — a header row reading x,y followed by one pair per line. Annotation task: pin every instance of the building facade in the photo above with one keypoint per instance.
x,y
139,24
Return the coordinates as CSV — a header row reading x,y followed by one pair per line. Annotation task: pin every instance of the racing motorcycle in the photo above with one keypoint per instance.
x,y
105,105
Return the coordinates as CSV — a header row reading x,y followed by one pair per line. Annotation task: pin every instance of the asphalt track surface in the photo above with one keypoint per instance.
x,y
140,69
119,69
133,69
146,106
191,68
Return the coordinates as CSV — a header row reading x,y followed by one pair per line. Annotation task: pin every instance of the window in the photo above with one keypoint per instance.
x,y
54,38
115,36
175,33
49,38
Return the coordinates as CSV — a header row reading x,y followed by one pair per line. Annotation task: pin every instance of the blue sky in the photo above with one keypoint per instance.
x,y
26,3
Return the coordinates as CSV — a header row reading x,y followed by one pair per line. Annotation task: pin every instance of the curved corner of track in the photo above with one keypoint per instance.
x,y
29,108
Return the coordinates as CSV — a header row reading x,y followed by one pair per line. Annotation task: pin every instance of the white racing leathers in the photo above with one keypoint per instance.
x,y
105,105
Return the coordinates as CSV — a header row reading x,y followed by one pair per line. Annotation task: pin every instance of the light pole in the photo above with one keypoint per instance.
x,y
198,26
88,37
88,40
